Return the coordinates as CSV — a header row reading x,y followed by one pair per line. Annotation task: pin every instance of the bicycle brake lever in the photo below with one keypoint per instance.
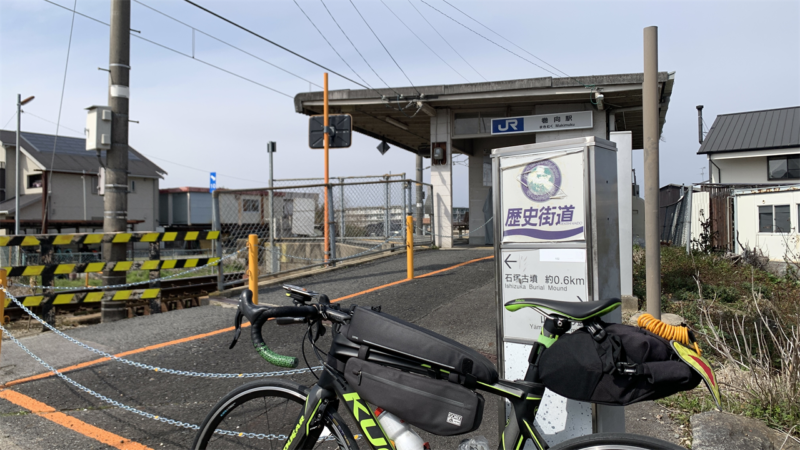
x,y
238,325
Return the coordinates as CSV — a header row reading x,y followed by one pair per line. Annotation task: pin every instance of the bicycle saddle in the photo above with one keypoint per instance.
x,y
573,310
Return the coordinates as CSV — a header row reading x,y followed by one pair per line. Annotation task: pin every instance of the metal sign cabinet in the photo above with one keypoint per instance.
x,y
557,237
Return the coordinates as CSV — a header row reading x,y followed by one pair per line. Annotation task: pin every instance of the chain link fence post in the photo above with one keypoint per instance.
x,y
331,224
218,244
386,221
155,275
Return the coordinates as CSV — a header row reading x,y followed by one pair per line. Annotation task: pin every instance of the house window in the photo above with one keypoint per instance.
x,y
35,181
783,167
133,186
774,219
249,205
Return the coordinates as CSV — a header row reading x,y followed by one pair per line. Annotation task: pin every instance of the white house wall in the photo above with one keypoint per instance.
x,y
774,245
745,167
700,213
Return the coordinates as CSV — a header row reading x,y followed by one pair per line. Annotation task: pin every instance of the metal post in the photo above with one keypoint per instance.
x,y
272,147
331,224
651,178
405,205
218,243
688,226
115,215
342,225
420,200
155,276
700,123
386,221
326,138
83,180
252,260
4,283
409,246
16,163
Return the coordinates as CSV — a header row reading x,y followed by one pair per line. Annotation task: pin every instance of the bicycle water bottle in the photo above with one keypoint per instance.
x,y
400,432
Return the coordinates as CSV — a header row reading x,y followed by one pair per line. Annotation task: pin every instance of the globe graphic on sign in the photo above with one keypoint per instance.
x,y
540,180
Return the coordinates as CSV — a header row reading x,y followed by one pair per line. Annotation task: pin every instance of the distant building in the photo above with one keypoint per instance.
x,y
71,176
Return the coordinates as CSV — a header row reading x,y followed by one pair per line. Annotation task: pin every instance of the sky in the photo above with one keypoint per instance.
x,y
195,119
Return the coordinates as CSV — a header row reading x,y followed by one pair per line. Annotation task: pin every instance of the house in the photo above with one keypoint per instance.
x,y
70,175
752,195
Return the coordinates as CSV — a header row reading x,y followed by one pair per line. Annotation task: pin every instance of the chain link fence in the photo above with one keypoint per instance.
x,y
365,217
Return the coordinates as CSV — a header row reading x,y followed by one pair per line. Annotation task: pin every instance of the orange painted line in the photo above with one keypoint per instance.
x,y
120,355
225,330
406,279
79,426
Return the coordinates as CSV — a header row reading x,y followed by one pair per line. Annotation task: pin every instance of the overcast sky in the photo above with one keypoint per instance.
x,y
195,119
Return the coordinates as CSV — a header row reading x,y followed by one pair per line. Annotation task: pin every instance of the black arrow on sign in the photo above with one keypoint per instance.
x,y
507,261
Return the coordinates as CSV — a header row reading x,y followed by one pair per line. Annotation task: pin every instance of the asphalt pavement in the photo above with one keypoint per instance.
x,y
456,300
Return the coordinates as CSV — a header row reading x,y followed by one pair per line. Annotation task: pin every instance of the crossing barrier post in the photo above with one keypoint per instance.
x,y
155,276
252,271
410,246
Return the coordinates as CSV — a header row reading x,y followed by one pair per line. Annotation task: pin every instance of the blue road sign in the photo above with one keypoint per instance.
x,y
213,182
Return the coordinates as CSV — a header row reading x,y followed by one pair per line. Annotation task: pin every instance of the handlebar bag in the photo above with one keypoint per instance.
x,y
628,365
380,330
436,406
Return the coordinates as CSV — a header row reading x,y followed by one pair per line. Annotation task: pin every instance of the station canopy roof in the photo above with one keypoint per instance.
x,y
385,115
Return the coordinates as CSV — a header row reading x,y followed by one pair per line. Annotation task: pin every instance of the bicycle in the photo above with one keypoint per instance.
x,y
299,417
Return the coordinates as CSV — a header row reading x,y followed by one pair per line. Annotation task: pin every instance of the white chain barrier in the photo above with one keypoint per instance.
x,y
177,423
154,368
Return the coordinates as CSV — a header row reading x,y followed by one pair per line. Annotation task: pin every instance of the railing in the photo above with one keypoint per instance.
x,y
365,218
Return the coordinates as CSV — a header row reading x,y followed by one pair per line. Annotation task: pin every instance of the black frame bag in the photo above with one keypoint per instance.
x,y
625,366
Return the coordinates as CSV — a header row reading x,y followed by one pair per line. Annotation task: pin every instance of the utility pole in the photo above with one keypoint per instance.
x,y
115,215
651,175
420,200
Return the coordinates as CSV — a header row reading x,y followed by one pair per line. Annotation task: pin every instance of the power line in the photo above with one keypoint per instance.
x,y
9,121
331,45
176,51
227,43
54,123
507,40
273,43
423,42
445,40
201,170
384,46
58,121
354,46
498,45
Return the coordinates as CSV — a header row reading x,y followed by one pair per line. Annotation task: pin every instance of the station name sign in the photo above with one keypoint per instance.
x,y
543,122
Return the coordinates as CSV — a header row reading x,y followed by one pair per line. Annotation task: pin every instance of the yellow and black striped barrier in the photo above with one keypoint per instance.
x,y
27,240
118,266
85,297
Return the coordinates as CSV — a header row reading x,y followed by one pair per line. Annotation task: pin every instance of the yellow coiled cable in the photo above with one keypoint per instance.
x,y
669,332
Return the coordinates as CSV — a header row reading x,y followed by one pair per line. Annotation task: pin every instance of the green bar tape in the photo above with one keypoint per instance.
x,y
290,362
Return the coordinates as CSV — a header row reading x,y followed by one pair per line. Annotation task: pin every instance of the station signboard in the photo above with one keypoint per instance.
x,y
543,122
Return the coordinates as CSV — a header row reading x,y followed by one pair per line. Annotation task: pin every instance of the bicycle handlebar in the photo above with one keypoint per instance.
x,y
259,315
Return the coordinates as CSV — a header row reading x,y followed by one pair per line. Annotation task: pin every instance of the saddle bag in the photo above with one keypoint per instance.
x,y
436,406
625,366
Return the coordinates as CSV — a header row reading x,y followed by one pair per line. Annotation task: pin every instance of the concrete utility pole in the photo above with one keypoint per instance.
x,y
651,175
420,201
115,215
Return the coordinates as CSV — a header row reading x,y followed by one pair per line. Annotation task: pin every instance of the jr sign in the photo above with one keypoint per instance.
x,y
544,122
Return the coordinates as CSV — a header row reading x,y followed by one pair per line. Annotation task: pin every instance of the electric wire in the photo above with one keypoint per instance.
x,y
226,43
423,42
58,123
331,45
446,41
201,170
54,123
502,47
506,39
177,51
9,121
384,46
356,48
273,42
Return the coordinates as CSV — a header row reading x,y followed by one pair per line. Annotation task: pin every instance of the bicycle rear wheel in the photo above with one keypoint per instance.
x,y
263,414
615,441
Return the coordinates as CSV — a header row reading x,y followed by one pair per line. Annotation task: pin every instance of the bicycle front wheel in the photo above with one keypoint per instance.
x,y
263,414
615,441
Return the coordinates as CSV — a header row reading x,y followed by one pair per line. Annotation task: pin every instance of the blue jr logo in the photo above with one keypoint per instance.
x,y
507,125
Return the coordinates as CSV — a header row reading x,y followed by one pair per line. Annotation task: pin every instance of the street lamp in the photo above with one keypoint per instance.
x,y
20,103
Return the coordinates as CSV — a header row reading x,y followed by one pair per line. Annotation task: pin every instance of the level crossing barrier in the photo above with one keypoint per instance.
x,y
48,269
366,217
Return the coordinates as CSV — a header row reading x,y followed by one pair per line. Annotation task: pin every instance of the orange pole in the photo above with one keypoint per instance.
x,y
326,140
410,247
252,272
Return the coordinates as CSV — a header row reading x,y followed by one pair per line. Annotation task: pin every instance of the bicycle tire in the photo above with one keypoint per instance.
x,y
615,441
271,393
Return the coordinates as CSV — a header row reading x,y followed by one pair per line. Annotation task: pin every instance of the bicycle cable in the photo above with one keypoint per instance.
x,y
678,333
